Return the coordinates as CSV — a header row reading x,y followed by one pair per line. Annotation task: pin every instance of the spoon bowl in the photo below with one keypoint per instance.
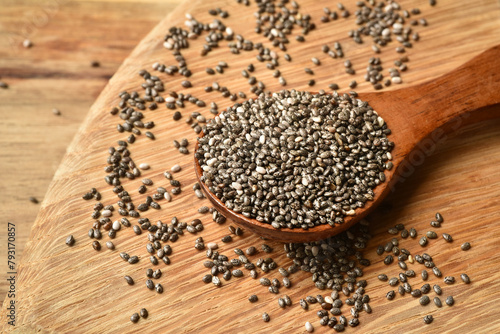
x,y
420,117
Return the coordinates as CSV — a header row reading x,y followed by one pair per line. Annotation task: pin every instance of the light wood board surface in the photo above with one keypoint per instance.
x,y
55,73
78,290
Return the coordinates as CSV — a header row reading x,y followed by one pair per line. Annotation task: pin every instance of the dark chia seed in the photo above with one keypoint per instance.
x,y
465,278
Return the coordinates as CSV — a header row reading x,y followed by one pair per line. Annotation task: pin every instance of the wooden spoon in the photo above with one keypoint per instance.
x,y
420,117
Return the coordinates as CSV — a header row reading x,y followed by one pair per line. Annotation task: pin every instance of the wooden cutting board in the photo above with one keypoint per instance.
x,y
78,290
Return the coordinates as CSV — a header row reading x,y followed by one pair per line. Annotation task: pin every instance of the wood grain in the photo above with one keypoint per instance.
x,y
78,290
54,73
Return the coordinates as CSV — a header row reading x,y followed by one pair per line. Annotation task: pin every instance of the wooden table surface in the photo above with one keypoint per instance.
x,y
63,289
55,73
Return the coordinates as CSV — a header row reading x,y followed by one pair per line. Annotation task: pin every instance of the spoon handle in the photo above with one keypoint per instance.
x,y
461,94
421,115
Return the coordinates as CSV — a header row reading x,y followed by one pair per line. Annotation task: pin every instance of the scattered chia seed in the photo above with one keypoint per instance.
x,y
227,239
27,43
426,288
393,281
423,241
212,245
70,240
382,277
393,230
309,327
135,317
431,235
33,200
251,251
413,232
203,209
436,272
416,293
286,282
435,223
465,278
129,280
96,245
424,300
447,237
449,280
133,259
144,166
266,248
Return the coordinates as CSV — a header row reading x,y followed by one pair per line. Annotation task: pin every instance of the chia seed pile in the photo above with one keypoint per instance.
x,y
294,159
290,159
336,264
